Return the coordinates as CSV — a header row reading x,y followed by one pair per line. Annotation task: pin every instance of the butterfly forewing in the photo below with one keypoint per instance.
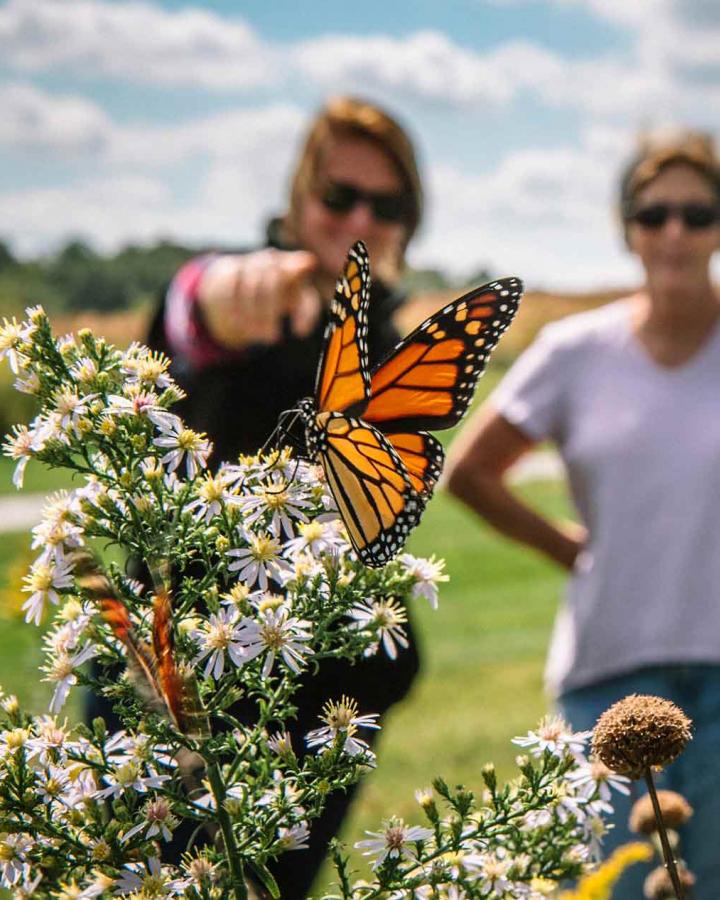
x,y
371,487
343,381
428,380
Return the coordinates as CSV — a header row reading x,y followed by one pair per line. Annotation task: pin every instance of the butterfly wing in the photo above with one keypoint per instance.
x,y
343,380
423,456
371,486
428,380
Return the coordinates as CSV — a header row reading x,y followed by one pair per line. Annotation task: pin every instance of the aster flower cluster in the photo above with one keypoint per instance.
x,y
252,584
515,841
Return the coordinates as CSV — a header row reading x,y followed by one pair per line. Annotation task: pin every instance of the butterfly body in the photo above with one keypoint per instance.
x,y
370,430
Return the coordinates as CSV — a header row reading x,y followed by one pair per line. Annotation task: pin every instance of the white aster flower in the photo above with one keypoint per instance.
x,y
492,874
295,837
121,747
14,849
158,821
594,776
201,871
277,633
221,634
55,537
386,619
43,583
128,777
142,404
146,367
62,672
48,743
13,740
52,783
12,335
341,724
19,445
84,370
394,843
150,879
70,408
428,573
258,562
184,443
212,494
28,383
554,735
279,504
316,537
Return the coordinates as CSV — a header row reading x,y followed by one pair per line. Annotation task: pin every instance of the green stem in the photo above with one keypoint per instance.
x,y
670,864
236,867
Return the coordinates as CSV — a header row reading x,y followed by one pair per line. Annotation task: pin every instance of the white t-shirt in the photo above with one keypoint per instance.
x,y
641,444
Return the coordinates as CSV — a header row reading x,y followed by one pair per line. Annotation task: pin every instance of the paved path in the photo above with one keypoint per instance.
x,y
19,512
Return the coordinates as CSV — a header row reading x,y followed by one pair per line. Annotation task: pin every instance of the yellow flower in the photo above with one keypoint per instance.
x,y
598,885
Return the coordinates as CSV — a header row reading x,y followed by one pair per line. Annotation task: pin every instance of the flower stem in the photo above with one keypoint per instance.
x,y
670,863
236,867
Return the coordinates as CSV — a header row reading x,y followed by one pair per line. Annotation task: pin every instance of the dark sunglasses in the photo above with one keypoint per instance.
x,y
340,197
694,216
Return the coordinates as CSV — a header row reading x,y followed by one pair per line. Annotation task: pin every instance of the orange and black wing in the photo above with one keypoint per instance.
x,y
371,486
428,380
343,380
423,457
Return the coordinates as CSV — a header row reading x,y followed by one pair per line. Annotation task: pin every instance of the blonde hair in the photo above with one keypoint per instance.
x,y
353,117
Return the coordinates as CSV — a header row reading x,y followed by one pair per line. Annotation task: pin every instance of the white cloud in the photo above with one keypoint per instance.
x,y
36,121
146,44
140,42
546,215
425,65
241,157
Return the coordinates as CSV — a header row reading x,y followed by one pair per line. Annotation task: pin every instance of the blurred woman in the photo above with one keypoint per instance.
x,y
629,393
245,332
245,329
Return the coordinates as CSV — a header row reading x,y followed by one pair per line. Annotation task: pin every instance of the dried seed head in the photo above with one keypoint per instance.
x,y
674,808
640,731
658,885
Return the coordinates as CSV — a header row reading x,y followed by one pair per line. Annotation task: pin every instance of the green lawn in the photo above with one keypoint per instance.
x,y
38,478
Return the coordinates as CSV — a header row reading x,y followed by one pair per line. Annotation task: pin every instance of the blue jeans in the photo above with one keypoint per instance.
x,y
695,775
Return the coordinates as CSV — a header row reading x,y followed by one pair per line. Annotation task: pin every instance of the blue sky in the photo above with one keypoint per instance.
x,y
125,121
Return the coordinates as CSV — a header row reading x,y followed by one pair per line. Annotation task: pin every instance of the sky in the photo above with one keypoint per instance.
x,y
124,122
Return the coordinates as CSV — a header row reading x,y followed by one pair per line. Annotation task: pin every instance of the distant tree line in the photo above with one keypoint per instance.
x,y
78,277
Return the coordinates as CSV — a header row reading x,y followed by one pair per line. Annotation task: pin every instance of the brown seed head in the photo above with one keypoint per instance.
x,y
640,731
674,808
658,885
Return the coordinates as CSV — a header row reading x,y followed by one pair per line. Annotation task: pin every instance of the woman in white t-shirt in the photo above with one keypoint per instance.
x,y
630,395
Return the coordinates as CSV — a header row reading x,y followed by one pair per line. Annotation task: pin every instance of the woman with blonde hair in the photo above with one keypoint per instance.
x,y
629,394
245,332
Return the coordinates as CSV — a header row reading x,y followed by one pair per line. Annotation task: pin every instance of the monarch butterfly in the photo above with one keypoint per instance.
x,y
369,429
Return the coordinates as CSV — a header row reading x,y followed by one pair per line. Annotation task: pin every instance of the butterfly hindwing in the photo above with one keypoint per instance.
x,y
343,381
423,456
428,380
371,486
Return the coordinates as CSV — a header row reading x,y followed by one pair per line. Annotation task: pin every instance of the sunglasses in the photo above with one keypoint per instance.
x,y
340,197
694,216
